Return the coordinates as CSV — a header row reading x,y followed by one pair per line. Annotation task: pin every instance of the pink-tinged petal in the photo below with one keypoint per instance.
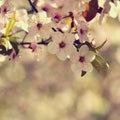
x,y
33,46
53,48
87,67
62,45
76,68
90,56
61,55
70,38
83,50
74,56
69,49
58,37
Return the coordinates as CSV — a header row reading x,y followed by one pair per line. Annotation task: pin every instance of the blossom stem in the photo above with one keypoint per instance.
x,y
16,32
78,44
33,6
26,33
42,42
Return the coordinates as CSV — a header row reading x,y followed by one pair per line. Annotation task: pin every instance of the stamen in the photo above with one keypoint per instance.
x,y
82,59
39,25
62,44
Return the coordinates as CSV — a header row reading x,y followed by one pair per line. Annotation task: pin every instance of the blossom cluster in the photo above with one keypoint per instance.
x,y
61,25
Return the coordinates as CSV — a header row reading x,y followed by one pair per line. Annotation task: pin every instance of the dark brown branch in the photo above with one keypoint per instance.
x,y
43,42
33,6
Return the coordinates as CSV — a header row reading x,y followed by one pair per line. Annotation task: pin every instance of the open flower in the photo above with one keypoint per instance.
x,y
82,59
82,30
6,9
61,45
39,19
39,24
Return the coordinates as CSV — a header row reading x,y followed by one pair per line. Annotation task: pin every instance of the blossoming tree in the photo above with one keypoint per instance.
x,y
60,25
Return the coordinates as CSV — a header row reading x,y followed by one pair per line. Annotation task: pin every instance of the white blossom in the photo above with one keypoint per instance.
x,y
82,59
115,10
61,45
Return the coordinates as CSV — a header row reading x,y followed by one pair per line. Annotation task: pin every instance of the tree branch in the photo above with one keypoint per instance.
x,y
33,6
42,42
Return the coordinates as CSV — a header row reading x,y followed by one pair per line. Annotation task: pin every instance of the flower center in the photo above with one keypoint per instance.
x,y
5,10
39,25
62,44
57,17
82,59
81,31
45,9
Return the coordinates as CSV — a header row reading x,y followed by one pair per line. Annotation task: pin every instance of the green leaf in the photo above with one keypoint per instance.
x,y
97,66
99,47
102,60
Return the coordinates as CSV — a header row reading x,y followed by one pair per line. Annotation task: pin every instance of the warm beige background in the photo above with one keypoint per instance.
x,y
40,87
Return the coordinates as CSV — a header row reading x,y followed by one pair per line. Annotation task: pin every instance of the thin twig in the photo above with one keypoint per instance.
x,y
42,42
33,6
16,32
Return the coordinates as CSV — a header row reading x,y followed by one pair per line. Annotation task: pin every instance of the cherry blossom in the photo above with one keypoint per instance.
x,y
82,59
61,45
7,9
115,10
77,6
60,25
37,24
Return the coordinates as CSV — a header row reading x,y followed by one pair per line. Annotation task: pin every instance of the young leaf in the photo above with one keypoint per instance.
x,y
99,47
102,60
97,65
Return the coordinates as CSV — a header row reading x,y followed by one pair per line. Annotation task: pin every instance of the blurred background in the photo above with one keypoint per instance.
x,y
38,86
